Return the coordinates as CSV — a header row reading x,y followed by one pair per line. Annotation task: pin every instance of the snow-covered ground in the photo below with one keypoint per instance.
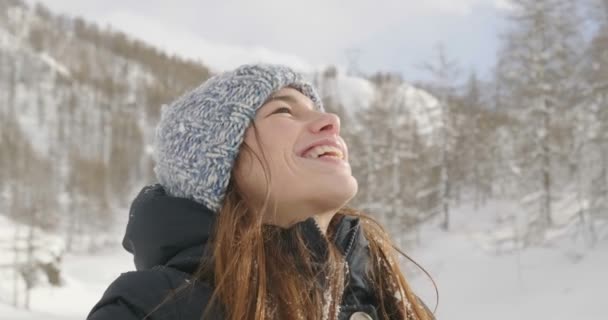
x,y
86,279
564,280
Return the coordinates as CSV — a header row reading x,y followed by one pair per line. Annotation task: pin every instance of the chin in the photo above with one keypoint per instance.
x,y
343,191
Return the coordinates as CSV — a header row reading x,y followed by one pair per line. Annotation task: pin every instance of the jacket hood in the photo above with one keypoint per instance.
x,y
166,230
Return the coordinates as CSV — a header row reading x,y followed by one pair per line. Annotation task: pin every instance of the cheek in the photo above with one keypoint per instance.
x,y
277,143
249,175
248,171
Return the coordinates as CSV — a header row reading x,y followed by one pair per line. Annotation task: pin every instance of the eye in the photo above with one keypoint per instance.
x,y
282,110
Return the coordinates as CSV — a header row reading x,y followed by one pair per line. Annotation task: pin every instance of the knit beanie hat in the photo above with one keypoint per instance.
x,y
199,134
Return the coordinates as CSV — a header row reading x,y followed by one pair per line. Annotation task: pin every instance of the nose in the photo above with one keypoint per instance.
x,y
328,123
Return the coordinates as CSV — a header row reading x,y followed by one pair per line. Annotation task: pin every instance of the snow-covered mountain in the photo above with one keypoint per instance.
x,y
50,61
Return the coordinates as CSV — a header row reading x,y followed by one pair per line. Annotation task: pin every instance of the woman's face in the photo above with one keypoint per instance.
x,y
307,160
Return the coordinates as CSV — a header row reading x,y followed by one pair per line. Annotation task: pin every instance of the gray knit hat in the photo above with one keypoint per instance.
x,y
199,134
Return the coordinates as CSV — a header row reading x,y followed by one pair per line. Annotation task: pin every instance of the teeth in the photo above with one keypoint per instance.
x,y
317,151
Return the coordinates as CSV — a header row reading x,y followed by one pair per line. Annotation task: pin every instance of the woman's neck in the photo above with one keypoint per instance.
x,y
323,220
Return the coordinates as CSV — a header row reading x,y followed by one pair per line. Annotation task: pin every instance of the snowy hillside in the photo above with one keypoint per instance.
x,y
78,106
355,94
422,106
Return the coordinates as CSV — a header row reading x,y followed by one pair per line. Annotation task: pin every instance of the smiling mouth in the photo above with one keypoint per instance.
x,y
324,152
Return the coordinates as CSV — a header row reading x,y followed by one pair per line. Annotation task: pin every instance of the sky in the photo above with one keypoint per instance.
x,y
362,35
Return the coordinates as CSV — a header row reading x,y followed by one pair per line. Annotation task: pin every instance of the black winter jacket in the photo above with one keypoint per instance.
x,y
167,238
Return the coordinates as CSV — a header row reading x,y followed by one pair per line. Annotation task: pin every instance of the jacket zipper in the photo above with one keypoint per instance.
x,y
351,242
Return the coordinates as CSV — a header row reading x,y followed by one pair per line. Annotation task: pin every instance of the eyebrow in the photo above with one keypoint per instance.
x,y
289,99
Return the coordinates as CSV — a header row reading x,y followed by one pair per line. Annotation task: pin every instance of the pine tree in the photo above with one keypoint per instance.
x,y
474,142
444,73
537,64
592,121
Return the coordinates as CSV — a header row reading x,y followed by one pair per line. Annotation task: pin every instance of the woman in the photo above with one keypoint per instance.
x,y
248,220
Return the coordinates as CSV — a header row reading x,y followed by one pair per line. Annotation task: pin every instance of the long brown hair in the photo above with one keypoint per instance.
x,y
260,271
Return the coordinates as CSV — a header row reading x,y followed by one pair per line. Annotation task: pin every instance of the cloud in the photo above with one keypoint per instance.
x,y
503,4
217,56
461,7
303,34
